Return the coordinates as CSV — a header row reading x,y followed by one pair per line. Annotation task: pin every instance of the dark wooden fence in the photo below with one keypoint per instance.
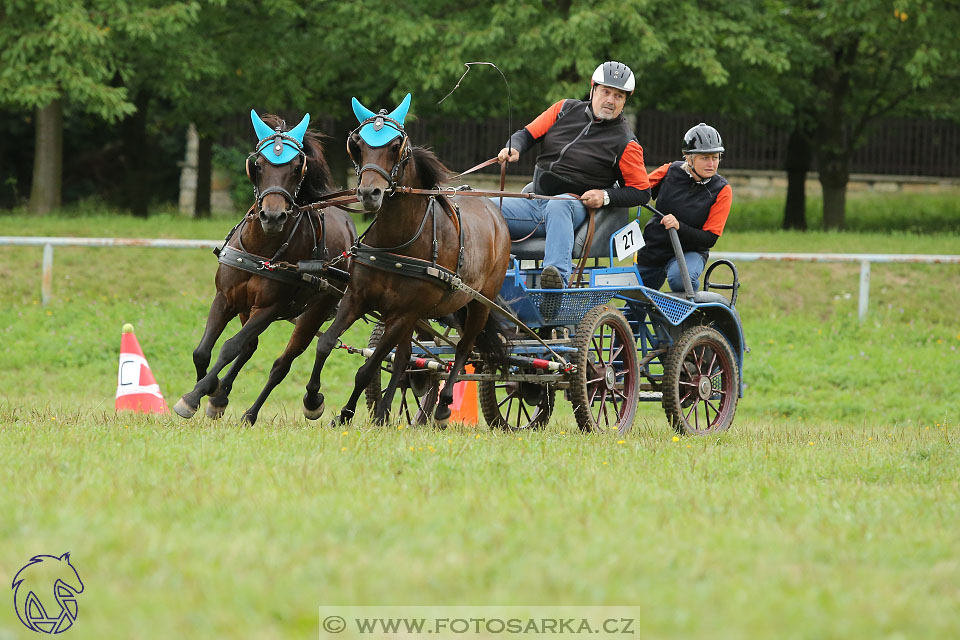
x,y
897,146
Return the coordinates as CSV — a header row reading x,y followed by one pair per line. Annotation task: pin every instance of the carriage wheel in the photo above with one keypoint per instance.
x,y
418,391
701,383
604,389
516,405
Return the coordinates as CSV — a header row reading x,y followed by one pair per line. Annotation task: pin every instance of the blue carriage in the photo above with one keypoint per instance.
x,y
606,343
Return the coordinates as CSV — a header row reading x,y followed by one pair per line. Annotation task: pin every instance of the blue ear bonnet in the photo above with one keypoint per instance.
x,y
279,147
381,131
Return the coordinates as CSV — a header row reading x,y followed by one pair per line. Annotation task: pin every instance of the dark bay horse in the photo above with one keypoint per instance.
x,y
463,236
257,278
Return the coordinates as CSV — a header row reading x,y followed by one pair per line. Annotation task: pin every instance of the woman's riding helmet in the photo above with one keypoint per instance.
x,y
614,74
702,139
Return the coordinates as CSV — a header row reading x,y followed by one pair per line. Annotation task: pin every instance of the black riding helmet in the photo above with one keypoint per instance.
x,y
702,139
614,74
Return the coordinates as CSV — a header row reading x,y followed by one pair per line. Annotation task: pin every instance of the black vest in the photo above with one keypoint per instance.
x,y
690,201
580,153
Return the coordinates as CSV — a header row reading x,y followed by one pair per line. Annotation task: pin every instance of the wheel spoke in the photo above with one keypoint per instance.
x,y
713,362
613,356
526,412
716,410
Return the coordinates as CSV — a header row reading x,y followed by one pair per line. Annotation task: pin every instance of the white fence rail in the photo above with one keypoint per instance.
x,y
865,259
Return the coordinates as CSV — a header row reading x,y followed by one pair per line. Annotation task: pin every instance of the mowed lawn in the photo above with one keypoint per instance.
x,y
829,510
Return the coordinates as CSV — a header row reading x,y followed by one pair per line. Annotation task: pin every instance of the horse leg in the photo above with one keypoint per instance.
x,y
472,325
401,357
307,325
231,349
392,332
217,320
347,314
218,401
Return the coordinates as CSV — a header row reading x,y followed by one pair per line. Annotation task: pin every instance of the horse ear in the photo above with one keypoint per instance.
x,y
259,126
401,111
298,131
65,556
361,111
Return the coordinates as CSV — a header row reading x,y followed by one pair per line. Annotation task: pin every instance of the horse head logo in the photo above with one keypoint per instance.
x,y
45,584
279,147
381,130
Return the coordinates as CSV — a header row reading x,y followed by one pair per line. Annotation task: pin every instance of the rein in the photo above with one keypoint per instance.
x,y
458,191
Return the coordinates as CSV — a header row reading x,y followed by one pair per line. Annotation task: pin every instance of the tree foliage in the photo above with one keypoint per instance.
x,y
821,69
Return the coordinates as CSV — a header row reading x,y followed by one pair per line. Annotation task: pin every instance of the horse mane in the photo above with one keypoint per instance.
x,y
430,171
319,178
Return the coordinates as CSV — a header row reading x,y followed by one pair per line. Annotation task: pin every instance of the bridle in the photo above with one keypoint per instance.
x,y
277,138
379,121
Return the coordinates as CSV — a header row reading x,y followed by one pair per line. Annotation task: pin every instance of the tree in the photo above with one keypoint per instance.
x,y
63,54
864,59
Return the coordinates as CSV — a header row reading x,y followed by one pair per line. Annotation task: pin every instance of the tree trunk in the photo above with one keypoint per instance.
x,y
834,176
138,179
46,190
201,208
799,157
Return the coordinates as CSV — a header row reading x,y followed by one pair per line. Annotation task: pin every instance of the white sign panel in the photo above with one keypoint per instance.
x,y
628,240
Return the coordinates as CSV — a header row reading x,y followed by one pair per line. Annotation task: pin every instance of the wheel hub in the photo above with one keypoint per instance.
x,y
610,377
704,388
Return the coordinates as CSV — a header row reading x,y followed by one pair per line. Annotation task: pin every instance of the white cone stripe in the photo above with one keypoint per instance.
x,y
128,377
131,390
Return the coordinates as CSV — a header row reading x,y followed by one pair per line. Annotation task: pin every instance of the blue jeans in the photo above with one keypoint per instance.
x,y
653,277
555,219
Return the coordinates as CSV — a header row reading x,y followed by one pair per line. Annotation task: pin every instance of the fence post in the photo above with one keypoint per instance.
x,y
864,289
46,280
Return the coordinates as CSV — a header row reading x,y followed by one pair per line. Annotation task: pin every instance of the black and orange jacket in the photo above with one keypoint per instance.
x,y
586,153
701,208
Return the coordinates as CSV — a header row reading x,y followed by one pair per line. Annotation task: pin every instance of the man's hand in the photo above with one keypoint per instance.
x,y
592,199
670,221
508,155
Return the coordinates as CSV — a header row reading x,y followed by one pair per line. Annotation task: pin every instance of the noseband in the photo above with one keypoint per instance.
x,y
379,121
277,138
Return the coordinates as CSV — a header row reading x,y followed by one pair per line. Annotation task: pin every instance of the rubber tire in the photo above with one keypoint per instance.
x,y
677,379
490,406
584,382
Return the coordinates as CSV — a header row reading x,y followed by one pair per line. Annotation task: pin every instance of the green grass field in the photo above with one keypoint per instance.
x,y
829,510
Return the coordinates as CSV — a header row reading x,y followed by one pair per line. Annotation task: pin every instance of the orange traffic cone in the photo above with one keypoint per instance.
x,y
137,390
464,405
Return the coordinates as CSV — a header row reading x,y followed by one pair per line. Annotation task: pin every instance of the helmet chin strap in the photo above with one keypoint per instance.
x,y
699,177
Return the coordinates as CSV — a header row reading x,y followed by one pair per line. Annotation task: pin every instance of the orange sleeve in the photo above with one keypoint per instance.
x,y
658,174
542,123
632,167
717,217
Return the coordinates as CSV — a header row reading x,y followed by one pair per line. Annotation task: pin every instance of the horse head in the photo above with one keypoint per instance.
x,y
34,602
379,150
276,168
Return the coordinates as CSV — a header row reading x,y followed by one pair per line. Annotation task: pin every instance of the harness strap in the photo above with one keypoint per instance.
x,y
282,271
402,265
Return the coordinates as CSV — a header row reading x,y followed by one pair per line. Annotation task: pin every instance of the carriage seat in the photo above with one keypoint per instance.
x,y
607,221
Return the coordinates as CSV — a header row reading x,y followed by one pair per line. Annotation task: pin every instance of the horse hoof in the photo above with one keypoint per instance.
x,y
183,409
313,414
249,420
214,412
